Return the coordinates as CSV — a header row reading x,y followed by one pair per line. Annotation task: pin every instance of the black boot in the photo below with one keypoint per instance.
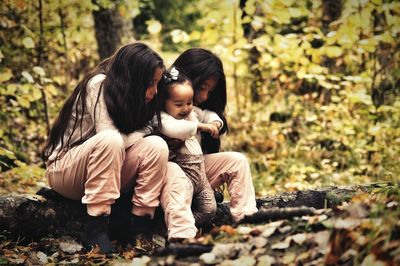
x,y
142,229
142,225
120,219
96,234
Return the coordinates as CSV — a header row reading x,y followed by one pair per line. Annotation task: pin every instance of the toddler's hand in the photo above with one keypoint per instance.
x,y
210,128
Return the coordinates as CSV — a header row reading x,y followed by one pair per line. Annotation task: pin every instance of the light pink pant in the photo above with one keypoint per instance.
x,y
224,167
98,170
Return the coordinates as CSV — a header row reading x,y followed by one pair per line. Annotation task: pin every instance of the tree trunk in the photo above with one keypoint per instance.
x,y
109,29
254,55
36,216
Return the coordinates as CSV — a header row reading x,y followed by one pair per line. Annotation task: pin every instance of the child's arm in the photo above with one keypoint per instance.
x,y
209,121
211,128
177,128
208,117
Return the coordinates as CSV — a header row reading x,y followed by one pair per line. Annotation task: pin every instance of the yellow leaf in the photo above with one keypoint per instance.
x,y
122,10
288,2
288,258
374,131
40,71
11,89
51,89
333,51
195,35
27,76
5,75
295,12
257,23
24,102
36,94
153,26
28,42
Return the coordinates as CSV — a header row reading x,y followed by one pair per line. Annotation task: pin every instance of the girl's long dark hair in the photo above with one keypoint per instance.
x,y
128,73
200,65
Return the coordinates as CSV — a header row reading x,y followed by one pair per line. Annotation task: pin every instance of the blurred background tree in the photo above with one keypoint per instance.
x,y
313,85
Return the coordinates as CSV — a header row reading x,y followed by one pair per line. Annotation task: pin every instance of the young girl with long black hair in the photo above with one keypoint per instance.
x,y
97,150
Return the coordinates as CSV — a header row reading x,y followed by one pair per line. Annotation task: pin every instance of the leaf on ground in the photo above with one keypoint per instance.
x,y
228,229
70,246
289,257
266,260
244,230
142,261
270,228
259,242
371,260
242,261
299,238
42,257
283,244
346,223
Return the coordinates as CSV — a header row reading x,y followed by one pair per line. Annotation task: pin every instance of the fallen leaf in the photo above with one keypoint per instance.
x,y
371,260
357,210
289,257
244,230
259,242
70,246
281,245
242,261
228,229
303,256
208,258
268,231
346,223
142,261
285,229
42,257
266,260
299,238
322,239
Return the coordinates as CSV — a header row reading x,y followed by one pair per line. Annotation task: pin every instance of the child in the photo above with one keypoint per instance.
x,y
181,120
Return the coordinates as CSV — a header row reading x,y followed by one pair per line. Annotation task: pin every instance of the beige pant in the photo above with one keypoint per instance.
x,y
231,168
98,170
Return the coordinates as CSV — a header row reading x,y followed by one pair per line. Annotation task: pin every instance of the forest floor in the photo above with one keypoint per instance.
x,y
365,230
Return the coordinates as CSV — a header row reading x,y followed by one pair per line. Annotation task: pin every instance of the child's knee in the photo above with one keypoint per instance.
x,y
157,147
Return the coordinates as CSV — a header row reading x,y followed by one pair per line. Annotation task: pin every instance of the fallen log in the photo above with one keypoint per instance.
x,y
48,213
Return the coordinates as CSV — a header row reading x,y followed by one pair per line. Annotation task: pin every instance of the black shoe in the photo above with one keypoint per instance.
x,y
96,234
142,225
142,229
120,227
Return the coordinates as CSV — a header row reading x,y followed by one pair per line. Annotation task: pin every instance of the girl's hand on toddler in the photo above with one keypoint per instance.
x,y
210,128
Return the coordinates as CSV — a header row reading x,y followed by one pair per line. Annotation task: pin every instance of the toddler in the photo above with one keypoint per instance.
x,y
180,120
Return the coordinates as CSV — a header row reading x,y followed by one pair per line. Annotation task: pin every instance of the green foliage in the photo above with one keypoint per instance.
x,y
36,69
328,110
171,19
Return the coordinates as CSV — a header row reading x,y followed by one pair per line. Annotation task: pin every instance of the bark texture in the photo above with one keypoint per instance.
x,y
48,213
109,29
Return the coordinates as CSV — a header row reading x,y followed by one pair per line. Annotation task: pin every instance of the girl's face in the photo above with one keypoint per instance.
x,y
180,101
151,91
206,88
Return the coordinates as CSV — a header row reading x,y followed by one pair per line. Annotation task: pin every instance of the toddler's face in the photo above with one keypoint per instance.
x,y
180,101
